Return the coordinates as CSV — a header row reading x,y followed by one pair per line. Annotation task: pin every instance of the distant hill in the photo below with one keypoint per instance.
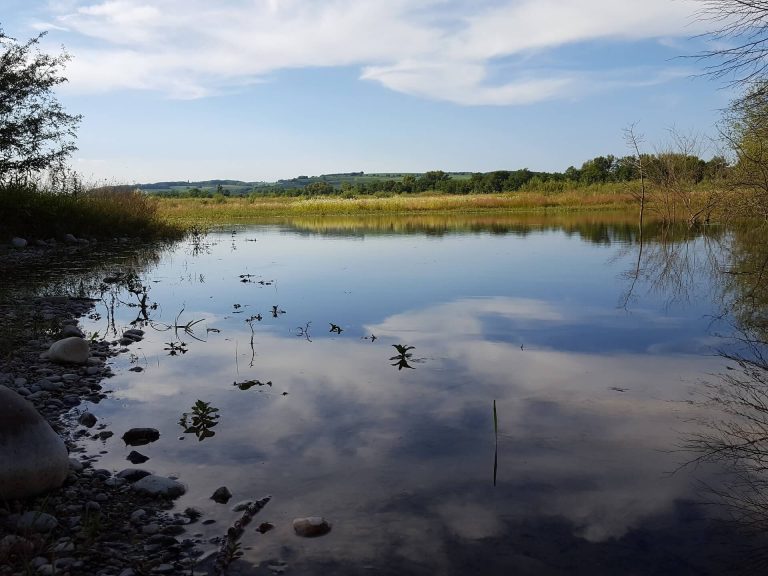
x,y
239,187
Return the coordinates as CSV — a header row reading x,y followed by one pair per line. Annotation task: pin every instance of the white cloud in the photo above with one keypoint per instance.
x,y
438,49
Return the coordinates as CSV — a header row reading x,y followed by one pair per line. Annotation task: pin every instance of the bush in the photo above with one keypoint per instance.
x,y
31,212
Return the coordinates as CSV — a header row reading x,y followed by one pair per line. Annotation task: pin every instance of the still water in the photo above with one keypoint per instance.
x,y
593,373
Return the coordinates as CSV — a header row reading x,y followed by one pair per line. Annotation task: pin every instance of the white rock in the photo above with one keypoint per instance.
x,y
311,526
17,242
33,458
160,486
72,350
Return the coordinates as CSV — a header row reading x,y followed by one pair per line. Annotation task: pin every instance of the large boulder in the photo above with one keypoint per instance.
x,y
33,458
72,350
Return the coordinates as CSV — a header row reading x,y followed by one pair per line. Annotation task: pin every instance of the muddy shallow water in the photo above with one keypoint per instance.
x,y
291,330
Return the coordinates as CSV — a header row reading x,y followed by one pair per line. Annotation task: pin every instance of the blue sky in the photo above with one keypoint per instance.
x,y
268,89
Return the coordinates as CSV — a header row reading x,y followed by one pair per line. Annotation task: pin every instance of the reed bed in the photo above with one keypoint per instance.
x,y
238,209
101,213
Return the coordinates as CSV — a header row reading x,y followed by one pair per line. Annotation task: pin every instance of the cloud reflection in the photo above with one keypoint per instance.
x,y
412,451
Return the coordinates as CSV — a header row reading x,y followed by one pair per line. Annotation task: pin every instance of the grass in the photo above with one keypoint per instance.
x,y
196,210
30,212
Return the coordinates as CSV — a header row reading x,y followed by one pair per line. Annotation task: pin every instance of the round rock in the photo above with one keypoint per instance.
x,y
33,458
34,521
160,486
72,350
140,436
311,526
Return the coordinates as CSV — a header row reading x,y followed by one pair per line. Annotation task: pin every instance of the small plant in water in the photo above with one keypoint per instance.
x,y
176,348
200,420
335,328
402,357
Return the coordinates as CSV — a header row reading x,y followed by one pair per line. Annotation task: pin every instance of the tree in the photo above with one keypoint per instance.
x,y
36,133
741,35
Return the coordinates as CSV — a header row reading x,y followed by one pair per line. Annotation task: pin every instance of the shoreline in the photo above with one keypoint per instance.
x,y
103,527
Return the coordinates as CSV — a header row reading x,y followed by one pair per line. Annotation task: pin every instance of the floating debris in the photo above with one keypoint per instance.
x,y
248,384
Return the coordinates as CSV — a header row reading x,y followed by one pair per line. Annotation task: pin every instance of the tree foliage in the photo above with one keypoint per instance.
x,y
36,133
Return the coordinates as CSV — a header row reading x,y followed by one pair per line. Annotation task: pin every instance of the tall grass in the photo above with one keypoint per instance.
x,y
32,212
234,209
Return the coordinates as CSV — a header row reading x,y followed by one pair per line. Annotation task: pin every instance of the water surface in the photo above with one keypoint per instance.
x,y
591,374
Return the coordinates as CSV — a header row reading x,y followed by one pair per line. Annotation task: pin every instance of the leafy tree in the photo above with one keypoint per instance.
x,y
35,132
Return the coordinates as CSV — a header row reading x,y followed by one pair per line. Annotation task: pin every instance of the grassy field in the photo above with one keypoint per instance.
x,y
196,210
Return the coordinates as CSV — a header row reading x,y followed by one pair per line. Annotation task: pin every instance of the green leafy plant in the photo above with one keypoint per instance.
x,y
200,420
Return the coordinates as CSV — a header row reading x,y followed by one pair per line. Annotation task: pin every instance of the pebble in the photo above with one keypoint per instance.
x,y
150,529
70,512
87,419
311,526
136,457
241,506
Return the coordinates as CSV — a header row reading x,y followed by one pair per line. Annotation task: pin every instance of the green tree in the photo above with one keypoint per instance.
x,y
36,133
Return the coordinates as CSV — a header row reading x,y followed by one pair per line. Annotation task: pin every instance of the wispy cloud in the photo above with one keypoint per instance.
x,y
437,49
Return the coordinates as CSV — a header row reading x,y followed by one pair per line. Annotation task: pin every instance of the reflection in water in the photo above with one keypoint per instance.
x,y
399,461
402,357
733,406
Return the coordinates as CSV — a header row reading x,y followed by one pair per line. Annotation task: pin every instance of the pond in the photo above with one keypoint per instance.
x,y
454,395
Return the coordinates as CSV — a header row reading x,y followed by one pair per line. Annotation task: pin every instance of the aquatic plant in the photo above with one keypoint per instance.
x,y
199,422
402,357
496,448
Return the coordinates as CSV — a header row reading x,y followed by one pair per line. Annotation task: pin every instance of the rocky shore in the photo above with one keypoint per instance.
x,y
96,523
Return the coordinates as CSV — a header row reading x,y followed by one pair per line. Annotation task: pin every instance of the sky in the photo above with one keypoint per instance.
x,y
259,90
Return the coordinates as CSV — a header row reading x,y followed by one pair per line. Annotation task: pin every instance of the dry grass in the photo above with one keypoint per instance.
x,y
248,209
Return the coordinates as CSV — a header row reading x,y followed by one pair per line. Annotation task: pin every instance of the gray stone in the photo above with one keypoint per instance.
x,y
64,546
311,526
33,458
160,486
49,386
133,474
70,238
72,350
75,465
241,506
140,436
137,516
136,457
70,330
35,521
152,528
87,419
17,242
221,495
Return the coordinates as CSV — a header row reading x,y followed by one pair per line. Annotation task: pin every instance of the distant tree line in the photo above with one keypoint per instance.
x,y
598,170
